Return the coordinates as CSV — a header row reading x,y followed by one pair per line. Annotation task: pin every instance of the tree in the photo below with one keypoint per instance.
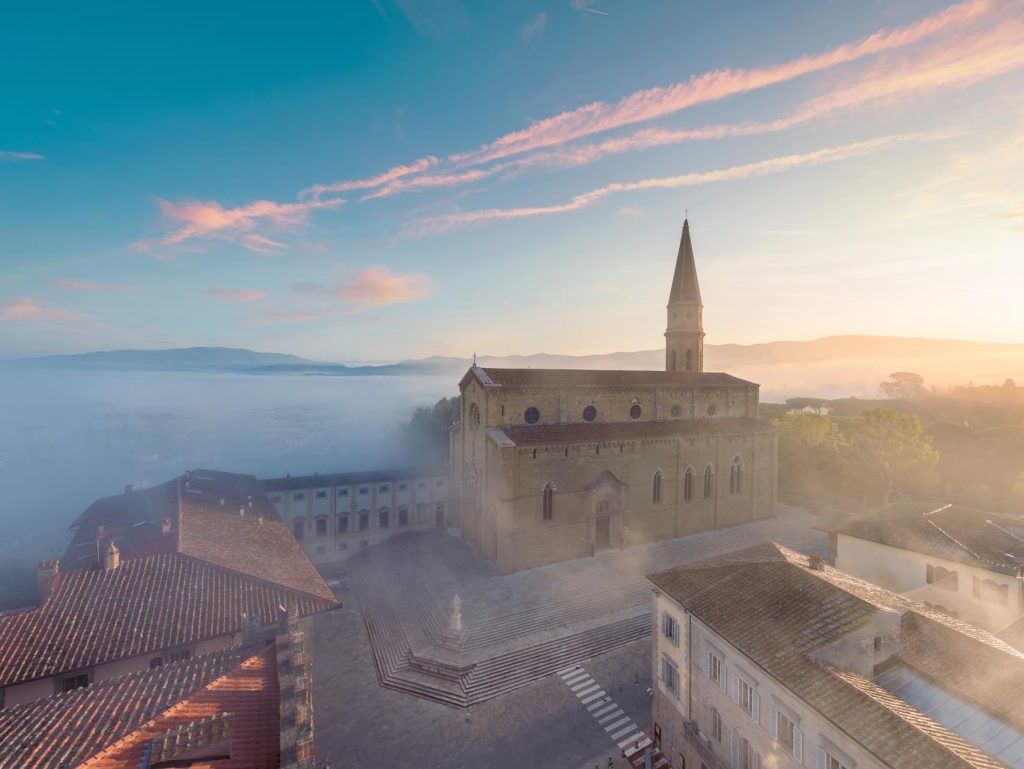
x,y
888,451
801,404
810,455
425,435
903,385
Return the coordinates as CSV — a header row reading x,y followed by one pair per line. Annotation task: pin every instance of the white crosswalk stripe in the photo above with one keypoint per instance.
x,y
604,709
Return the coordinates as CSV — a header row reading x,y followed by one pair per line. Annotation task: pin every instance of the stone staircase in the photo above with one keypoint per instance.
x,y
443,675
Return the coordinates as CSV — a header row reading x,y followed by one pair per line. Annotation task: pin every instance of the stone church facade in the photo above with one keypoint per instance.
x,y
549,465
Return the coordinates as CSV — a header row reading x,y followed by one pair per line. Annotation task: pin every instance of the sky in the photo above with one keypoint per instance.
x,y
379,180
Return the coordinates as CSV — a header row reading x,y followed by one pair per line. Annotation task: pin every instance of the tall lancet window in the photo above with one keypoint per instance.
x,y
689,360
548,501
736,476
656,488
688,485
709,481
672,360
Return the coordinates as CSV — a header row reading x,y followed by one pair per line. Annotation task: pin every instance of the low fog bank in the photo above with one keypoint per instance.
x,y
70,437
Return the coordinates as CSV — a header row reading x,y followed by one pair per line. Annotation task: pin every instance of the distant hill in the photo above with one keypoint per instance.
x,y
177,359
832,366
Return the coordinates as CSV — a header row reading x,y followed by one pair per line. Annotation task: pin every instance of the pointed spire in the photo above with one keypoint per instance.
x,y
685,287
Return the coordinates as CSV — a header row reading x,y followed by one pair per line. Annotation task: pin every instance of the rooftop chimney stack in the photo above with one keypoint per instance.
x,y
816,563
128,488
47,578
112,558
165,526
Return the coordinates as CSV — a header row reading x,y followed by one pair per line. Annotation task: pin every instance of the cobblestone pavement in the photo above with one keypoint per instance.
x,y
361,724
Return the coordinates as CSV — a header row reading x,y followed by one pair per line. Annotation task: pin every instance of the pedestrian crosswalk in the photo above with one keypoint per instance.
x,y
619,727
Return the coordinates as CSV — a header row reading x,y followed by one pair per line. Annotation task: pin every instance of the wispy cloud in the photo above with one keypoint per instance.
x,y
209,220
288,316
378,286
534,27
85,285
24,309
237,294
584,5
540,145
10,155
445,223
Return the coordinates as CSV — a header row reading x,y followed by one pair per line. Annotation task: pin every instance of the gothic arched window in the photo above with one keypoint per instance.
x,y
709,487
548,501
656,488
672,361
736,476
688,484
689,360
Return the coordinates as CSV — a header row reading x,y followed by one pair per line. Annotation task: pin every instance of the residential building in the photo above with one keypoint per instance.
x,y
965,562
765,657
157,576
333,515
549,465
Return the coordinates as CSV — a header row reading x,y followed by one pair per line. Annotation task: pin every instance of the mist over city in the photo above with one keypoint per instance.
x,y
585,384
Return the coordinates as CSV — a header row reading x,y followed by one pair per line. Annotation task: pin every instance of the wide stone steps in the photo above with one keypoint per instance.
x,y
553,615
506,672
429,614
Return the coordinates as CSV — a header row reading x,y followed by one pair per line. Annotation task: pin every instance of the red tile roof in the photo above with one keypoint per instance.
x,y
249,693
582,432
554,377
145,605
770,604
66,729
222,518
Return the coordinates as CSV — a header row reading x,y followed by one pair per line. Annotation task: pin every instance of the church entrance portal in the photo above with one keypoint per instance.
x,y
602,532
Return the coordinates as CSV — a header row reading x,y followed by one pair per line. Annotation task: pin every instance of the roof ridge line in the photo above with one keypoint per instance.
x,y
246,575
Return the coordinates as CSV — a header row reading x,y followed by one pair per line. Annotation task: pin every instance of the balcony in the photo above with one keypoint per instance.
x,y
700,744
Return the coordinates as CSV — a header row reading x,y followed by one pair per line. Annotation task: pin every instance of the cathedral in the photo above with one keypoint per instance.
x,y
551,464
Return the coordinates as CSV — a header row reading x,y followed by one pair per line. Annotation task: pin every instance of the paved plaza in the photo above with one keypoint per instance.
x,y
536,721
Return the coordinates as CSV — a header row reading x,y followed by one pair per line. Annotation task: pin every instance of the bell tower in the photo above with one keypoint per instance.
x,y
684,333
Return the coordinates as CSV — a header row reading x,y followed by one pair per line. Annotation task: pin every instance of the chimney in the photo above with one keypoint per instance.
x,y
112,558
128,488
47,578
260,520
241,511
165,526
816,563
222,501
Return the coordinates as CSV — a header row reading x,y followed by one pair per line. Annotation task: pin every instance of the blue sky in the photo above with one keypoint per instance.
x,y
368,181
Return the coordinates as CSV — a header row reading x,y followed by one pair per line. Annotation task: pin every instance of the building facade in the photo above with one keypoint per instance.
x,y
334,515
549,465
768,658
965,562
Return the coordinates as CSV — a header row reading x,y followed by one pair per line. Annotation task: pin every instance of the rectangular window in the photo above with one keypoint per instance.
x,y
828,760
364,521
342,524
384,488
670,677
385,519
403,516
745,695
439,482
321,495
321,527
298,496
364,491
180,655
716,725
299,528
714,669
403,486
990,590
670,628
275,498
787,734
342,492
68,683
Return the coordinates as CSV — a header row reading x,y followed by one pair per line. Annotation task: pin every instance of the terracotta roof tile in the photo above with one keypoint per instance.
x,y
349,479
249,693
65,729
554,377
582,432
769,603
954,532
145,605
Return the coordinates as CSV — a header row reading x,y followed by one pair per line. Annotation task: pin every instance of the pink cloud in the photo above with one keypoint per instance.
x,y
391,174
659,102
711,86
9,155
24,309
289,316
378,286
84,285
209,220
445,223
238,294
